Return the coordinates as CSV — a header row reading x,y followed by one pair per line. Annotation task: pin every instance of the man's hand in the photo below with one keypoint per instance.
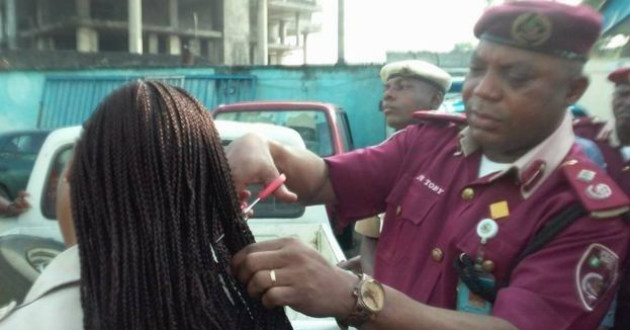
x,y
251,162
303,279
352,264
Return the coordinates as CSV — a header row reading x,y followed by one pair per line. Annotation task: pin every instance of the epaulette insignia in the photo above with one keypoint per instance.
x,y
598,193
440,116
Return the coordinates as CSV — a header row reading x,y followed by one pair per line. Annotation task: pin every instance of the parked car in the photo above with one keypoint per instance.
x,y
18,151
29,242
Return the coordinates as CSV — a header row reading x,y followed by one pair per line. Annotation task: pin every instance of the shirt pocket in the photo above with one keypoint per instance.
x,y
408,206
411,200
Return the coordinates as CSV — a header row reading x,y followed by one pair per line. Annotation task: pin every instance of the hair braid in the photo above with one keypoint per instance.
x,y
151,192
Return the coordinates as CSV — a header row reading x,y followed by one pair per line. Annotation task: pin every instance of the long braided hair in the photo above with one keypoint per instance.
x,y
151,194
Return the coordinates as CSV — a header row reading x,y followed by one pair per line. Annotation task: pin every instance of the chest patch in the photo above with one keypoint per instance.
x,y
595,274
430,184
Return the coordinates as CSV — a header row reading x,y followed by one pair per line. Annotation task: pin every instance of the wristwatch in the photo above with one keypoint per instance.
x,y
370,296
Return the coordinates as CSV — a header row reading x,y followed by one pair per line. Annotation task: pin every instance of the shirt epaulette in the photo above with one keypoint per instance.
x,y
441,117
597,192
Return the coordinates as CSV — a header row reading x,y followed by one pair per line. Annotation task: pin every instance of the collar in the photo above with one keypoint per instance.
x,y
534,167
63,270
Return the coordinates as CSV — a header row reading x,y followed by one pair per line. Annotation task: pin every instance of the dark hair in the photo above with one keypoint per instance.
x,y
151,192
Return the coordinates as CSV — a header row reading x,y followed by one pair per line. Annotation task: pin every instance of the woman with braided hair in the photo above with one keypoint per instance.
x,y
150,194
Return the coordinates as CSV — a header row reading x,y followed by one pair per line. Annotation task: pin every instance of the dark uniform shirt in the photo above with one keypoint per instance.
x,y
426,180
619,169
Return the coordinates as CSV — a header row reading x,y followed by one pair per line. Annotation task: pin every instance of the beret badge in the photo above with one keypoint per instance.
x,y
531,29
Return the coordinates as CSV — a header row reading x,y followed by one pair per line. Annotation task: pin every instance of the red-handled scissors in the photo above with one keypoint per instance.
x,y
269,189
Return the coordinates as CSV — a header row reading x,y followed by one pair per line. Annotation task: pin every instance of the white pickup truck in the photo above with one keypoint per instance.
x,y
30,241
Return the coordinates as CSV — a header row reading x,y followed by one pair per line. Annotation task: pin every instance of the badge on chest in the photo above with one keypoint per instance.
x,y
475,276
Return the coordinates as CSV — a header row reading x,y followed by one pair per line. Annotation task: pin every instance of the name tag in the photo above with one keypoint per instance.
x,y
469,302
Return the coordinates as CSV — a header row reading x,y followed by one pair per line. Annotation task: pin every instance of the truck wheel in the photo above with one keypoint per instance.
x,y
22,259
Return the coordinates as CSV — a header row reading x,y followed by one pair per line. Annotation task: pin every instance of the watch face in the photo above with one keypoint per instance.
x,y
373,295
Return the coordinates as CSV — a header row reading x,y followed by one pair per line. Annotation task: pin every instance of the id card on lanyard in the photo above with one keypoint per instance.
x,y
469,302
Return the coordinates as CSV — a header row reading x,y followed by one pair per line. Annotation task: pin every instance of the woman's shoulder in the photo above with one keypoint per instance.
x,y
57,309
54,300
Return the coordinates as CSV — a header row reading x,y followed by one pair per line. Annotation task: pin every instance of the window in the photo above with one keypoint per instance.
x,y
23,144
49,198
312,125
273,208
344,131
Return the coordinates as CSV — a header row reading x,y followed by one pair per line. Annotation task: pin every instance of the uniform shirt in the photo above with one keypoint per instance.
x,y
426,181
617,165
54,300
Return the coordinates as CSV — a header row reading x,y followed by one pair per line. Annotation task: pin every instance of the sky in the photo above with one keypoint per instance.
x,y
374,27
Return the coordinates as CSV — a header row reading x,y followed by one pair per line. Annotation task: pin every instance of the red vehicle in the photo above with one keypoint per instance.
x,y
324,127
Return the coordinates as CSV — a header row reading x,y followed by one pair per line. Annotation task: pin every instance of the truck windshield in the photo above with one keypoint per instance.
x,y
311,124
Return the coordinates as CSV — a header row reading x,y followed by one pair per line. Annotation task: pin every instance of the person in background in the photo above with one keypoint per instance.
x,y
15,208
410,86
621,104
612,137
621,112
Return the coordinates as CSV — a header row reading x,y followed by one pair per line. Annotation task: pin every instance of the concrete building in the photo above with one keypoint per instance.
x,y
230,32
285,24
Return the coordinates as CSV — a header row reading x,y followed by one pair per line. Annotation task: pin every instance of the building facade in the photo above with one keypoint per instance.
x,y
224,32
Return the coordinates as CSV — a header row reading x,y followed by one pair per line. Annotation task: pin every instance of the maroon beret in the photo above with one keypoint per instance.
x,y
542,26
620,76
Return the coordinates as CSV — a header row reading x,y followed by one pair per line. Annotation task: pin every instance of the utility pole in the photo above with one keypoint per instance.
x,y
341,56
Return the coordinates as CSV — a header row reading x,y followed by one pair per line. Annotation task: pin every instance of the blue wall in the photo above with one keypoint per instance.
x,y
357,89
20,93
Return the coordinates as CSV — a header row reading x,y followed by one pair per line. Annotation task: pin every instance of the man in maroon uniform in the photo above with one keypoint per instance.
x,y
480,197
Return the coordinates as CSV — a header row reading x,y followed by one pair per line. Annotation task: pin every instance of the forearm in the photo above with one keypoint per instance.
x,y
307,173
401,312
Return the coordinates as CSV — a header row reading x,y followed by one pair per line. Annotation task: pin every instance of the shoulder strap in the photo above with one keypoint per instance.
x,y
549,231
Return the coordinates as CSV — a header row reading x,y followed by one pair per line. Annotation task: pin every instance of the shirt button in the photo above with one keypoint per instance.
x,y
437,254
488,266
468,194
398,210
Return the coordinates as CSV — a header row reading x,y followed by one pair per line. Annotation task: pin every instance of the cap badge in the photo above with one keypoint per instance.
x,y
531,29
598,191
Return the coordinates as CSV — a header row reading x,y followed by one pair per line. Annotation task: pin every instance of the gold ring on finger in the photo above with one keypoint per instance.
x,y
272,274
